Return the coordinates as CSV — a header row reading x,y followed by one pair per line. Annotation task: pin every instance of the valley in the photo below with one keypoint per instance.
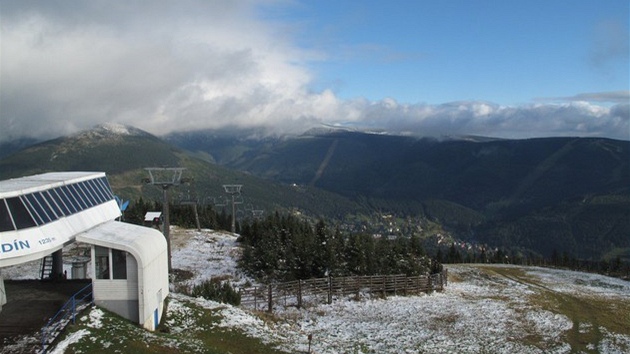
x,y
531,198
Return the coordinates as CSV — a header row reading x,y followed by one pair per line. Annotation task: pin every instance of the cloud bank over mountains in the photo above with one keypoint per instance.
x,y
191,65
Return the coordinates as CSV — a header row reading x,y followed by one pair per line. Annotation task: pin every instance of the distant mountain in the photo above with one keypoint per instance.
x,y
568,195
9,147
123,152
565,194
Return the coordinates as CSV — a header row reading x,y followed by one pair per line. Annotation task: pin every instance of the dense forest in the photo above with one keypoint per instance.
x,y
283,248
287,247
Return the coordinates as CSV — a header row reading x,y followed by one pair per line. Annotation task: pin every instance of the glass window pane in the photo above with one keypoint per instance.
x,y
119,264
51,203
87,196
88,186
90,190
38,213
101,262
106,188
20,214
68,199
47,209
5,218
97,192
77,196
60,202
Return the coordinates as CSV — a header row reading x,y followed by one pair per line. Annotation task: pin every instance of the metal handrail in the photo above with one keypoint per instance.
x,y
67,312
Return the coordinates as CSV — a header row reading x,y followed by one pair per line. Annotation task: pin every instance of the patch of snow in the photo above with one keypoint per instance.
x,y
181,315
116,128
61,347
95,319
580,282
207,254
613,342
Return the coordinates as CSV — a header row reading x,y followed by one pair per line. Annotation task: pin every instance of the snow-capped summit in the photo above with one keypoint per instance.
x,y
106,133
118,129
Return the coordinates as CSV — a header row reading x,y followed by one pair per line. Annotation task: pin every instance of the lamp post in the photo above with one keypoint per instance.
x,y
165,177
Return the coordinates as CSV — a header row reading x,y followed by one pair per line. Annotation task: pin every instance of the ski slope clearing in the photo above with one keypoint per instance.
x,y
484,309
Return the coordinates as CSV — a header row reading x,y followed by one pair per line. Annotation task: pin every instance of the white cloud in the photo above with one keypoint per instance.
x,y
186,65
603,97
487,119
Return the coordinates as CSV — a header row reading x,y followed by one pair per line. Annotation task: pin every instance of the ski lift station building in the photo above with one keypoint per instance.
x,y
41,214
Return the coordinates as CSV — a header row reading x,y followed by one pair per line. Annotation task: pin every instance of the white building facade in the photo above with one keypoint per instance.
x,y
41,214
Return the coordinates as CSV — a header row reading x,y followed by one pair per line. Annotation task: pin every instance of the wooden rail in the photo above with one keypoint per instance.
x,y
299,293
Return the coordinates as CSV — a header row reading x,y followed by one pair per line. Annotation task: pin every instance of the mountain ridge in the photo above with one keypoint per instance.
x,y
124,152
478,187
547,194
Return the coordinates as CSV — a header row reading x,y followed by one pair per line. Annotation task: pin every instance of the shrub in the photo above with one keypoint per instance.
x,y
216,290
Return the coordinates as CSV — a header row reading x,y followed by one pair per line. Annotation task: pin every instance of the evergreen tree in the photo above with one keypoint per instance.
x,y
453,255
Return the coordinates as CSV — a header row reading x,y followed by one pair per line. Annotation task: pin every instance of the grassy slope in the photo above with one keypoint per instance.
x,y
589,314
194,329
202,335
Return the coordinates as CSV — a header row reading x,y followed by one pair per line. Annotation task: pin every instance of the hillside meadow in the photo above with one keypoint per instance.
x,y
484,309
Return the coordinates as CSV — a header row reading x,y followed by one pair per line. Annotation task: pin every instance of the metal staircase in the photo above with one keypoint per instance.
x,y
47,267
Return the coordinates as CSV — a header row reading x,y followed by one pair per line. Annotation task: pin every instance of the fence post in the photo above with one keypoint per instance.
x,y
385,281
430,284
270,307
329,290
299,294
445,277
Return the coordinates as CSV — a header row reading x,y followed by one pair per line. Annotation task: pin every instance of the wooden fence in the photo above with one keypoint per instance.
x,y
324,290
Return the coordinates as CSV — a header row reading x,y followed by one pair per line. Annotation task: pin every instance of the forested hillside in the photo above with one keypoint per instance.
x,y
536,196
565,194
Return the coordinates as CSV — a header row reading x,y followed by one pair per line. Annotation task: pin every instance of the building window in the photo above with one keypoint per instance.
x,y
101,262
21,216
5,218
119,264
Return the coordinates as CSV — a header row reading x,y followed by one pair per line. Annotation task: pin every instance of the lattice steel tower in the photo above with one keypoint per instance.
x,y
165,177
235,191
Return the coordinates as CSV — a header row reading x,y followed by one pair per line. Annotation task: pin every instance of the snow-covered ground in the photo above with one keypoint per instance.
x,y
497,309
206,254
482,311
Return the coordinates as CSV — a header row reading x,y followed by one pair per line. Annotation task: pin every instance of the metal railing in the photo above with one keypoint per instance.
x,y
65,315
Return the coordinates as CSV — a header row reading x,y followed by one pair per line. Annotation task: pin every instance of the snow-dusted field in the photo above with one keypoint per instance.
x,y
480,311
207,254
484,309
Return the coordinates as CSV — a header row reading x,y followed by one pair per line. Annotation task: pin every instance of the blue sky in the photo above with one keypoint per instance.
x,y
507,52
499,68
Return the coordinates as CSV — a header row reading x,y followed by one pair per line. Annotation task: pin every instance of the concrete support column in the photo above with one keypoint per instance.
x,y
57,265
